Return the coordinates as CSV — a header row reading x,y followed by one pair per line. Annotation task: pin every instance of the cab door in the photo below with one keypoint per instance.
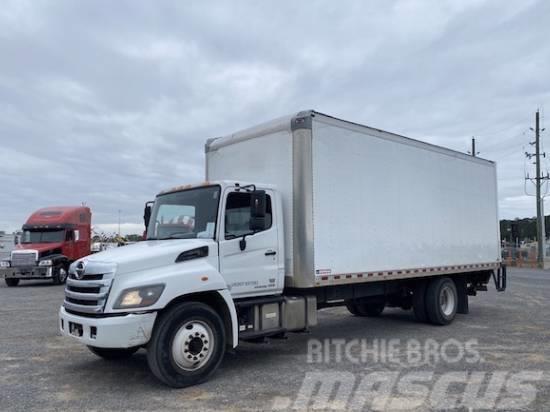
x,y
69,244
249,260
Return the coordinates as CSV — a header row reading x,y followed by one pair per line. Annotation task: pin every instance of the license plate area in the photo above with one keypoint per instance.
x,y
75,329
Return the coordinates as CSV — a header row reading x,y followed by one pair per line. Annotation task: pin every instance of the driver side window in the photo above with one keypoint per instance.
x,y
237,215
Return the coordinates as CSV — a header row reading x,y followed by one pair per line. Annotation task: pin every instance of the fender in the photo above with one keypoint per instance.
x,y
233,312
179,279
55,258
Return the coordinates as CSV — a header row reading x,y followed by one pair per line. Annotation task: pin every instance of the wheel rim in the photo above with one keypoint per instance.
x,y
62,275
447,301
193,345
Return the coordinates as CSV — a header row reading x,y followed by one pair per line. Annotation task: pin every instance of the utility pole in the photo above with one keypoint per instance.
x,y
540,203
539,181
118,222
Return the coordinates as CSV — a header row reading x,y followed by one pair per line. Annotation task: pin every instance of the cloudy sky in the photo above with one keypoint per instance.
x,y
109,102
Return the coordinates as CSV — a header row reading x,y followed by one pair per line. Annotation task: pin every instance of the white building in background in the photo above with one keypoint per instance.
x,y
7,243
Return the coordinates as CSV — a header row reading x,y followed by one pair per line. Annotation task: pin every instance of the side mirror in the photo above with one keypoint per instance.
x,y
258,201
147,214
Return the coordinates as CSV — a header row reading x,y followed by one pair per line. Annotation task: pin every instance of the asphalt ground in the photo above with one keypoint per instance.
x,y
506,337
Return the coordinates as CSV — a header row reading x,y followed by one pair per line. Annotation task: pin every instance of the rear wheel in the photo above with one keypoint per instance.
x,y
352,308
12,281
371,309
365,308
113,353
441,301
187,345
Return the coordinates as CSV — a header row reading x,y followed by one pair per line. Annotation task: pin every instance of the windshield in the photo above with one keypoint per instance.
x,y
43,236
187,214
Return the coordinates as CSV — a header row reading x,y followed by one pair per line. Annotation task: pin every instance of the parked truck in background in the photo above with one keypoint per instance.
x,y
298,214
52,238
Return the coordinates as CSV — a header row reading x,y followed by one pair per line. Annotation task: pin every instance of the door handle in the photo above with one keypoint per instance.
x,y
270,253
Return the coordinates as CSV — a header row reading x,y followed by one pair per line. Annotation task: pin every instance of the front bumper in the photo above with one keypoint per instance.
x,y
34,272
109,332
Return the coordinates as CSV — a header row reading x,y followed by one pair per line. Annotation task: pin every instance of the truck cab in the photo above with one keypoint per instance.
x,y
51,239
221,216
215,249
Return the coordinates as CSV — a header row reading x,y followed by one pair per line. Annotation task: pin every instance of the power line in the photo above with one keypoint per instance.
x,y
484,134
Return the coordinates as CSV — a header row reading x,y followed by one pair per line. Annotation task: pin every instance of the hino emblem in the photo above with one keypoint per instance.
x,y
80,269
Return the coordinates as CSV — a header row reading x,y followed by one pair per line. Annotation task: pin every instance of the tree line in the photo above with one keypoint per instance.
x,y
522,229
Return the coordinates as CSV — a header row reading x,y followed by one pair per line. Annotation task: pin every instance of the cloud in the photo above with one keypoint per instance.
x,y
109,103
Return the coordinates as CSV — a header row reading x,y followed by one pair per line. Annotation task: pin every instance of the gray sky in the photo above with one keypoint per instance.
x,y
109,102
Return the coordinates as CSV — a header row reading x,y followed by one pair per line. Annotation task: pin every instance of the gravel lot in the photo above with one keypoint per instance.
x,y
40,370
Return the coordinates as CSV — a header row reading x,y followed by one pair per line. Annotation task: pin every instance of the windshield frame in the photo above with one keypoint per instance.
x,y
154,211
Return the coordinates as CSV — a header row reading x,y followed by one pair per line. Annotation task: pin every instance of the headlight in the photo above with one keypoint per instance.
x,y
4,264
139,297
46,262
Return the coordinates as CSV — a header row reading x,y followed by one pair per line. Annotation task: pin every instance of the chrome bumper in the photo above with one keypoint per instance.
x,y
34,272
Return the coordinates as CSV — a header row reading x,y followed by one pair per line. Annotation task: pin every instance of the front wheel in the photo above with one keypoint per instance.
x,y
187,345
12,281
113,353
60,275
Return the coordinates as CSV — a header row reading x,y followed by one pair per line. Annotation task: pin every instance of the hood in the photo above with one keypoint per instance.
x,y
147,254
40,247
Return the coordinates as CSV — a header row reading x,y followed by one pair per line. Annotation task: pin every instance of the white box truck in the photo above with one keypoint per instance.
x,y
301,213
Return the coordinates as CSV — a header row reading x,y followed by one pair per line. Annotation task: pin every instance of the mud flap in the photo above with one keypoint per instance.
x,y
462,294
500,278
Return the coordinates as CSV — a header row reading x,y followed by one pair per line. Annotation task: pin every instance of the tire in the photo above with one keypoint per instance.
x,y
419,302
12,281
441,301
113,353
60,275
363,309
187,345
352,308
371,309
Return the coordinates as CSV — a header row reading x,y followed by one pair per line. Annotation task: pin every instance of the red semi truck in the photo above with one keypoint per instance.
x,y
52,239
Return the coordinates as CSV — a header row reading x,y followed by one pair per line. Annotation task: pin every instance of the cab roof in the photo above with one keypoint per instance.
x,y
222,183
57,215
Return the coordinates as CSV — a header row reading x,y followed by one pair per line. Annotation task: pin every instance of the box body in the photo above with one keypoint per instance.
x,y
361,204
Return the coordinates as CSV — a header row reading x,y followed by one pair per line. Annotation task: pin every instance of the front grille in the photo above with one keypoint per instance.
x,y
21,259
92,277
81,302
83,290
89,294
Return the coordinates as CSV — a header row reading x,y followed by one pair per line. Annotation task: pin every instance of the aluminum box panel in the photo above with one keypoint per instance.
x,y
383,202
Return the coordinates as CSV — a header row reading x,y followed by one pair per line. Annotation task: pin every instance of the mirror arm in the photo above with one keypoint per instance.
x,y
242,242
